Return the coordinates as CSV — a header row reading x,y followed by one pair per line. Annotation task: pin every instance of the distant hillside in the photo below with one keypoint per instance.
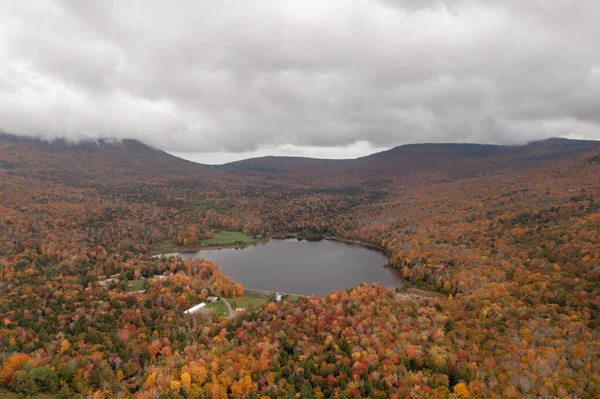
x,y
418,162
94,161
101,162
276,164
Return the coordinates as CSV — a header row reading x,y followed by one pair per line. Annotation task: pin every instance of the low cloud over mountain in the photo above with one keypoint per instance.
x,y
229,77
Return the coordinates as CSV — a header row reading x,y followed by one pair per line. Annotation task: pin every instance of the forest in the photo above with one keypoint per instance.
x,y
511,237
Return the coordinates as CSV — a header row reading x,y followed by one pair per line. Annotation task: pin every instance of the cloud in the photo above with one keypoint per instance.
x,y
352,151
242,77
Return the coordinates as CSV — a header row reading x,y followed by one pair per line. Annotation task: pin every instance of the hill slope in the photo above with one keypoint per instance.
x,y
512,233
94,161
129,160
418,162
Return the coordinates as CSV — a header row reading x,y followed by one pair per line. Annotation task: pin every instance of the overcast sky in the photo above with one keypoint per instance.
x,y
223,80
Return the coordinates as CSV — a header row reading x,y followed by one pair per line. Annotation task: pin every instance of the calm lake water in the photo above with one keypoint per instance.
x,y
302,267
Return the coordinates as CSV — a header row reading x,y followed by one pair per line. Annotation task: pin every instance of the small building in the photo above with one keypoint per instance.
x,y
108,281
195,309
278,297
212,299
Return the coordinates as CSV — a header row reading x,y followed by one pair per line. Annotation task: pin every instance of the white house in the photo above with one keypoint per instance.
x,y
195,309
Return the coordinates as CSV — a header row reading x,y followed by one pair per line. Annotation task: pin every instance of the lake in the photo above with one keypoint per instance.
x,y
302,267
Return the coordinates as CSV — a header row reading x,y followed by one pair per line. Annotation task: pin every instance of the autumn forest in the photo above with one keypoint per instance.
x,y
508,236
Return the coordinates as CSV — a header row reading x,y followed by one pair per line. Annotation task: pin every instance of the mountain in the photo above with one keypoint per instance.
x,y
129,161
94,161
508,236
417,162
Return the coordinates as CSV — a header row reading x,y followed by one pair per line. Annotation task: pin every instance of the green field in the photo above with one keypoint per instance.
x,y
222,238
136,285
219,308
229,238
293,298
245,301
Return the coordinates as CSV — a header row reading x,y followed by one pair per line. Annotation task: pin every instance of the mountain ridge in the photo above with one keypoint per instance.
x,y
108,160
104,144
512,237
414,162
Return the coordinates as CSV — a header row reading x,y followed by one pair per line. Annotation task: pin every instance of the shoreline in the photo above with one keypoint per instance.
x,y
192,249
360,243
410,290
274,236
287,235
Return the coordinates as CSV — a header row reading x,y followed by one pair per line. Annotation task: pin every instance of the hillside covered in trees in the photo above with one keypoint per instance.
x,y
509,234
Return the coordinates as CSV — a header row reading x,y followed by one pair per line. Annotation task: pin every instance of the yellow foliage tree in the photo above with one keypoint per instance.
x,y
186,381
150,381
246,383
65,346
461,391
175,386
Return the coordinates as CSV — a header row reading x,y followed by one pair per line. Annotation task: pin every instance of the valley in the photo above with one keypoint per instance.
x,y
365,199
507,237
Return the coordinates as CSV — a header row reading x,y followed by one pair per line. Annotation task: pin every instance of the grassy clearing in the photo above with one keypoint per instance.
x,y
293,298
219,308
222,238
164,247
245,301
229,238
136,285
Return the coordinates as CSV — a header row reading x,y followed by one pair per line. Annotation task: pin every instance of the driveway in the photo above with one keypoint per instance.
x,y
231,312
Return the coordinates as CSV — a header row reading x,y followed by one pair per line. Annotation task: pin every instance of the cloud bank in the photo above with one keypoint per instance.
x,y
241,77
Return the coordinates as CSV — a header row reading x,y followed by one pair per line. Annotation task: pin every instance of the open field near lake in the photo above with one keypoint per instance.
x,y
229,238
219,308
222,239
246,301
292,298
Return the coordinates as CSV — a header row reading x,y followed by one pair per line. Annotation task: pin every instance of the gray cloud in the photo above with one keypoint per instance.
x,y
230,76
